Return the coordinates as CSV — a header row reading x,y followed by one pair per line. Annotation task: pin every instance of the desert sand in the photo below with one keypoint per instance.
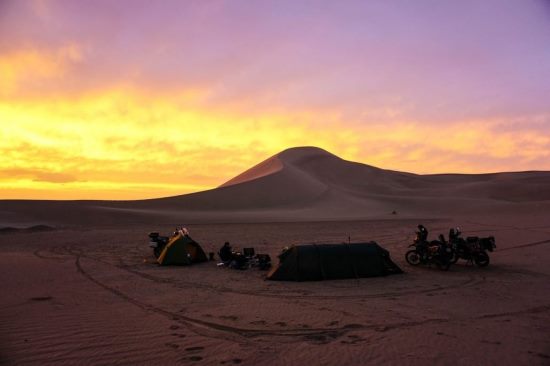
x,y
89,291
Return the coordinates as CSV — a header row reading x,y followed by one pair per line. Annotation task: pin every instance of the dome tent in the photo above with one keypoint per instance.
x,y
181,250
333,261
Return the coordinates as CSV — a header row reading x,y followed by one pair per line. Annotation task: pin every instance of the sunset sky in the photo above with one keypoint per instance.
x,y
136,99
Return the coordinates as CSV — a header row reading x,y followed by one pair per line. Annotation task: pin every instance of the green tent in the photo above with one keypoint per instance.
x,y
333,261
181,250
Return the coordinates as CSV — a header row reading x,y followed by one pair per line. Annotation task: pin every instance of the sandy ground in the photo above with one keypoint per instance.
x,y
93,295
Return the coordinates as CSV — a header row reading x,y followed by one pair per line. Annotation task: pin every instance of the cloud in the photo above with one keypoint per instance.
x,y
420,61
31,71
471,146
36,175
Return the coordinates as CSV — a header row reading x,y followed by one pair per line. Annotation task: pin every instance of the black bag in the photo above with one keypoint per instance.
x,y
264,261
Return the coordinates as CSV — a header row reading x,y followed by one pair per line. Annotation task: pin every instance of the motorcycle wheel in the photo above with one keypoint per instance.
x,y
412,257
481,259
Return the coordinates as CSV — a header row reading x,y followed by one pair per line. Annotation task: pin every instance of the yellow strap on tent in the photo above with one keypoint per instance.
x,y
171,242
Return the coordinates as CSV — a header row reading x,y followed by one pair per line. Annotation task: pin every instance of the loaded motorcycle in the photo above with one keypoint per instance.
x,y
473,249
425,252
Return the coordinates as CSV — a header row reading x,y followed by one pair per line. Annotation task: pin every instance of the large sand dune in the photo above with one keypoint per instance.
x,y
308,183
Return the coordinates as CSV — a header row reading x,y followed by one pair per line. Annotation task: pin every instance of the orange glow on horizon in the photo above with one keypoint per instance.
x,y
123,144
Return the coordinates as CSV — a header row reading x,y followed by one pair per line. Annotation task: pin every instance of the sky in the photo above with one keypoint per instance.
x,y
133,99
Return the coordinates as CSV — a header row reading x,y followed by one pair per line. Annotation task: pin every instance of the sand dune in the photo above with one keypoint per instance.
x,y
266,167
308,183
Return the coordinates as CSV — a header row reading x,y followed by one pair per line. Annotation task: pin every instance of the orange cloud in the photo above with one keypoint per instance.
x,y
24,67
37,175
472,146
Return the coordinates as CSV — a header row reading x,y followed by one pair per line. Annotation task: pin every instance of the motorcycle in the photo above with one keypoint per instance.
x,y
473,249
436,252
158,243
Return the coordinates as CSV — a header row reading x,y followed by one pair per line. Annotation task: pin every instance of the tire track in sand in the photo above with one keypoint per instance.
x,y
310,333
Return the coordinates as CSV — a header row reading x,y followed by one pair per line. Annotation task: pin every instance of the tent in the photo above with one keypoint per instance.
x,y
182,250
333,261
